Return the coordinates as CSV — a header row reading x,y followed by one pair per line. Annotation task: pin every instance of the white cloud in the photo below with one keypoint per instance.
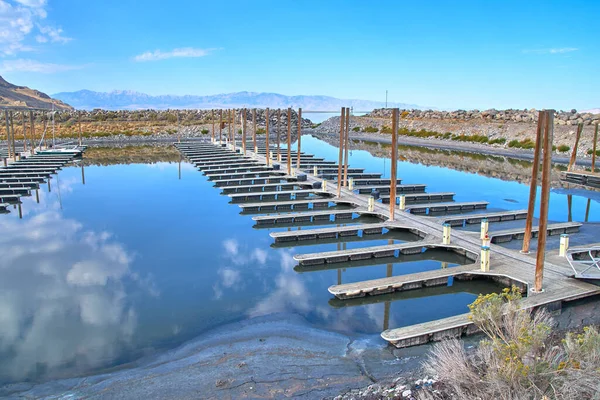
x,y
25,65
54,35
560,50
187,52
18,18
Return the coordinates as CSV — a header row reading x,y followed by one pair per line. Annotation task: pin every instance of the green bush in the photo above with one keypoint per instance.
x,y
563,148
386,129
591,151
370,129
260,131
356,129
204,131
497,141
171,118
523,144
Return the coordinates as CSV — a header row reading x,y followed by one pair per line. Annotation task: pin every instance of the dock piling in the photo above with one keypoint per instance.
x,y
341,152
394,163
346,134
573,159
289,141
299,138
594,149
267,138
402,202
244,131
533,184
279,135
254,131
485,225
545,199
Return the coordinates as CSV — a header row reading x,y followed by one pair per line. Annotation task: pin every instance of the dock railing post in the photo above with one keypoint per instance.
x,y
594,149
564,245
12,135
485,259
315,170
534,181
371,204
351,184
267,150
446,233
233,130
574,153
394,163
484,228
341,152
346,134
289,141
7,133
545,200
244,131
299,139
402,202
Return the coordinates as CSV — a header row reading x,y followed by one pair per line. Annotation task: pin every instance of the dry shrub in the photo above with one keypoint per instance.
x,y
516,361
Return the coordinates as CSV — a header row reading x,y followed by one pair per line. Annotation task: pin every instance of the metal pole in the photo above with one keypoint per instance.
x,y
574,153
268,154
394,163
545,199
534,181
289,141
79,120
299,138
346,134
594,149
244,130
341,152
254,130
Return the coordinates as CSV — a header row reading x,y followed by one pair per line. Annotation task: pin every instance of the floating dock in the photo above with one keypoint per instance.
x,y
508,267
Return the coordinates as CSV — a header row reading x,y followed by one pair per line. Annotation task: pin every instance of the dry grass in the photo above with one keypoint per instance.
x,y
517,360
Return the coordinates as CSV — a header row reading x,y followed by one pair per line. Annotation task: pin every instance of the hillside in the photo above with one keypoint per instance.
x,y
22,96
129,100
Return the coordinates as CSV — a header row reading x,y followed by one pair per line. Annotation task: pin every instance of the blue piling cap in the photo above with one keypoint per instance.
x,y
564,235
446,224
485,248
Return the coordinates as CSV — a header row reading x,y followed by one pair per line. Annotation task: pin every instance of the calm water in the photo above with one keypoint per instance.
x,y
138,260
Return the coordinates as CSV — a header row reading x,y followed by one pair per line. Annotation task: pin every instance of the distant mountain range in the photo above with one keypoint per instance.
x,y
593,111
22,96
129,100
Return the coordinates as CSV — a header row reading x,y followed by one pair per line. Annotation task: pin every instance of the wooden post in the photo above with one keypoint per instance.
x,y
220,127
267,153
299,139
80,133
594,149
574,153
32,123
346,133
7,134
244,130
254,131
232,130
545,199
279,135
24,131
289,141
339,182
394,163
534,181
212,118
12,134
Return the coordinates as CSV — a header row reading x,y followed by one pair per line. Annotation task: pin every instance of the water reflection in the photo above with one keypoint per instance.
x,y
63,302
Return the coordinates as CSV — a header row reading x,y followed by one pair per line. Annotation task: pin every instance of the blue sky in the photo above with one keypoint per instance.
x,y
447,54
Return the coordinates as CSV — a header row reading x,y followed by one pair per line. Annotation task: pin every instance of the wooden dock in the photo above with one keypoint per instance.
x,y
20,177
507,266
518,233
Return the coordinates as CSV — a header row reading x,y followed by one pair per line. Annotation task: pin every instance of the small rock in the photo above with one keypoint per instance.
x,y
220,383
406,393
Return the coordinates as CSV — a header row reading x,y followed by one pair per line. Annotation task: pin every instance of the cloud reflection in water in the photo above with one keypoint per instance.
x,y
63,304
